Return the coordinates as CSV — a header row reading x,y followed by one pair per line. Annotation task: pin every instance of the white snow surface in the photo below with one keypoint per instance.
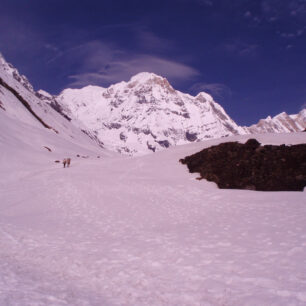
x,y
141,231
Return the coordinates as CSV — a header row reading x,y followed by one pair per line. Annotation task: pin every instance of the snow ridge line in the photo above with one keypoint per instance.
x,y
25,104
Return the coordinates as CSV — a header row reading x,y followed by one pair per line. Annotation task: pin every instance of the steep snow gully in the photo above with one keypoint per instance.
x,y
143,231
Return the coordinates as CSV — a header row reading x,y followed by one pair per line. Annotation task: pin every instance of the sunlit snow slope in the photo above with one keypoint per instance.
x,y
143,231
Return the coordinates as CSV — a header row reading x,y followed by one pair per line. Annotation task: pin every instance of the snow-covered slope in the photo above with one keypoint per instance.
x,y
23,113
300,118
146,114
143,231
281,123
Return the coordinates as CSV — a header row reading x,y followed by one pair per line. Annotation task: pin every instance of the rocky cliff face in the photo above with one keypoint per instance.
x,y
146,114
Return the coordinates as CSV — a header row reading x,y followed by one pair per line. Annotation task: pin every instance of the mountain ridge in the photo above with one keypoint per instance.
x,y
23,110
145,114
280,123
148,88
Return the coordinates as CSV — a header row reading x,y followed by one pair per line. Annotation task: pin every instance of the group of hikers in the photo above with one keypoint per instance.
x,y
66,161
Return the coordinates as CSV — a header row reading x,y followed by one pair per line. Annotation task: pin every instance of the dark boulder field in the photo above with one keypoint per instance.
x,y
233,165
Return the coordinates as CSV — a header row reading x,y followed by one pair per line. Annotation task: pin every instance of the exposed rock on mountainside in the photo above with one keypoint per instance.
x,y
46,97
146,114
1,106
234,165
24,103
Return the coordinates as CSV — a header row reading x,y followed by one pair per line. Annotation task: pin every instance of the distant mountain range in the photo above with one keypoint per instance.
x,y
145,114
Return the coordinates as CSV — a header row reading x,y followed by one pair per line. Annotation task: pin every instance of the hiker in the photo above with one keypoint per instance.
x,y
66,161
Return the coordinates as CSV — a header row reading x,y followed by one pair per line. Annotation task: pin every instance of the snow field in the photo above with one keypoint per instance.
x,y
143,231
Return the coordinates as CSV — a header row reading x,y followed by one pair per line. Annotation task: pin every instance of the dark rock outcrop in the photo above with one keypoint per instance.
x,y
1,106
163,143
48,148
26,104
54,104
93,137
191,136
233,165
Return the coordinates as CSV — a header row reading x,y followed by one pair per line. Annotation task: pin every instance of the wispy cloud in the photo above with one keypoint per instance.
x,y
273,10
125,68
207,3
241,48
103,64
98,53
295,34
16,36
217,90
247,14
297,8
279,12
147,40
82,61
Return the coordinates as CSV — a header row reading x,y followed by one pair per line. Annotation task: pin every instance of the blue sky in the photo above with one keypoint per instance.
x,y
249,54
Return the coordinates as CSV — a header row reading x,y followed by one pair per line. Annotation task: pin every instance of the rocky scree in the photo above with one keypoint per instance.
x,y
233,165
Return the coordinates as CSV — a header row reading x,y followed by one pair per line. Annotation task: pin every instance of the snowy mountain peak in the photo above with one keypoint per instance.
x,y
143,77
2,60
204,97
44,94
146,114
282,114
145,82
